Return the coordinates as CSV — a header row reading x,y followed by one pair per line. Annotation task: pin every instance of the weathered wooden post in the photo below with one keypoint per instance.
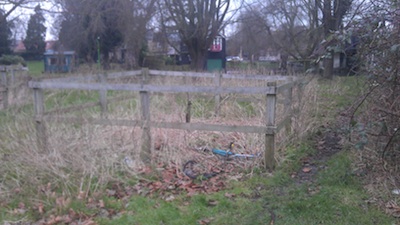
x,y
217,84
269,156
40,126
103,95
188,112
145,153
4,87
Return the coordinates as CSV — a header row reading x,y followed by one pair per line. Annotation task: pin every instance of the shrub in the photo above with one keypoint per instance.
x,y
12,60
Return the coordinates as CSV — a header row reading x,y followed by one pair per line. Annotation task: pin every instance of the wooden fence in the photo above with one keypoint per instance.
x,y
104,83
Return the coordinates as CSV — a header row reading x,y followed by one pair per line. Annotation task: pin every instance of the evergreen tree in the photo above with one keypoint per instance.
x,y
5,35
35,35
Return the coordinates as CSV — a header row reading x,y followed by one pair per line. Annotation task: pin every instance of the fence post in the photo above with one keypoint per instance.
x,y
217,84
188,113
103,96
269,156
5,89
145,153
40,126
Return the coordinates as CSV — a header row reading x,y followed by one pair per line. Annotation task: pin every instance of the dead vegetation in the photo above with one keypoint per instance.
x,y
83,160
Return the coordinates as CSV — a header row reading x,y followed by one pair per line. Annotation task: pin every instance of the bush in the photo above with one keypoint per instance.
x,y
12,60
154,62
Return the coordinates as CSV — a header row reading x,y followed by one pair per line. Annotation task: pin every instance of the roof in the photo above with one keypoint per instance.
x,y
51,52
19,46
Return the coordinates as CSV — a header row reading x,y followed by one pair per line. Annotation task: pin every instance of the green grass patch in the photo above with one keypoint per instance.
x,y
36,68
247,109
60,99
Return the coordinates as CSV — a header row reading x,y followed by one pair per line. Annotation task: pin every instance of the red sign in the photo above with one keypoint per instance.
x,y
217,44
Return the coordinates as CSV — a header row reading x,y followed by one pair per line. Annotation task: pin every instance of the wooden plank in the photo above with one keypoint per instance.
x,y
153,88
123,74
180,74
165,125
270,106
256,77
145,153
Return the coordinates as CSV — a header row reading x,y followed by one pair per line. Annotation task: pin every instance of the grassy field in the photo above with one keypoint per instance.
x,y
64,187
36,68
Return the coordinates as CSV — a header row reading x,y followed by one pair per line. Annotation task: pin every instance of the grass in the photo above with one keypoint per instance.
x,y
336,198
339,93
36,68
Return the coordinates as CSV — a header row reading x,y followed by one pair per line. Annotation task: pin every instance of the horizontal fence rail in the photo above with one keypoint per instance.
x,y
153,88
142,85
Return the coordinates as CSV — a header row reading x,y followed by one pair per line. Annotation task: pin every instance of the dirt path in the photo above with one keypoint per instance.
x,y
327,144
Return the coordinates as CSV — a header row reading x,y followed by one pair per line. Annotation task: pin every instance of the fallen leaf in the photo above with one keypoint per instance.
x,y
40,208
111,192
170,198
307,169
101,204
81,195
21,205
229,195
89,222
204,221
212,202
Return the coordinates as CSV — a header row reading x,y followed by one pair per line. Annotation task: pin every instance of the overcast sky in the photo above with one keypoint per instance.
x,y
22,15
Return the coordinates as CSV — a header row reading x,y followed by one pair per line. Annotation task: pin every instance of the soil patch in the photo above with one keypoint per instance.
x,y
327,144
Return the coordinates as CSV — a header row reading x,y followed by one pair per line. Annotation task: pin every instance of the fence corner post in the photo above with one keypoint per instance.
x,y
145,153
269,155
145,76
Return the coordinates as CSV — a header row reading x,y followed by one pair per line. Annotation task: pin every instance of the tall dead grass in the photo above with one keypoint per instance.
x,y
81,158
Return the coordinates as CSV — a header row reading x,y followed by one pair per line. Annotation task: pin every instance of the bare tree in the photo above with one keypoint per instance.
x,y
291,26
197,22
298,27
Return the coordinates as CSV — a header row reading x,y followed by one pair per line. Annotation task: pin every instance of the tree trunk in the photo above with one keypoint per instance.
x,y
198,60
328,66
